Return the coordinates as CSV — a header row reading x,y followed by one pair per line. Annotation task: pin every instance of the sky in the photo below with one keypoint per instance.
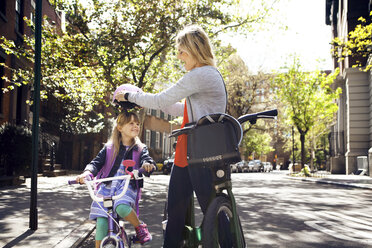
x,y
306,35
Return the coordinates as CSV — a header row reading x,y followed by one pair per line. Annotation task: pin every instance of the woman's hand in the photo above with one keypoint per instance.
x,y
148,167
120,96
81,178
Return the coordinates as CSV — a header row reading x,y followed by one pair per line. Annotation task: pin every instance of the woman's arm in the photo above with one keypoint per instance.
x,y
175,109
169,99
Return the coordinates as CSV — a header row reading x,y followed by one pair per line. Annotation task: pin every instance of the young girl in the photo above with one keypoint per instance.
x,y
123,144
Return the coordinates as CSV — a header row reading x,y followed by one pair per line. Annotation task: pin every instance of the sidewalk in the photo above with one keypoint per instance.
x,y
364,182
63,210
62,214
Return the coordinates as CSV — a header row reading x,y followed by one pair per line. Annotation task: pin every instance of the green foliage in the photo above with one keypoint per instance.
x,y
309,99
358,43
241,86
15,148
108,43
256,142
309,96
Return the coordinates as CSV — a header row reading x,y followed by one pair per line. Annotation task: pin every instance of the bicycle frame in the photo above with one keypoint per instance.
x,y
192,234
228,187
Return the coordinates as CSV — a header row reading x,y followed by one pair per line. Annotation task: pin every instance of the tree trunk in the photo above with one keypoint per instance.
x,y
302,139
312,158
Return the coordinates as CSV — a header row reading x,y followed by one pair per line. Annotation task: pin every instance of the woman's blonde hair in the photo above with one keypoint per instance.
x,y
195,41
115,139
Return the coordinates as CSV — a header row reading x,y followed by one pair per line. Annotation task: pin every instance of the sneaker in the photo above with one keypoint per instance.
x,y
143,234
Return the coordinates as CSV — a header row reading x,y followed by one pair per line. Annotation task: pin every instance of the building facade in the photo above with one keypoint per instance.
x,y
12,26
351,135
156,129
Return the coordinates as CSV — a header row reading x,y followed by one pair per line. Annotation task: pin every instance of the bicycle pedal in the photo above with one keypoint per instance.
x,y
135,240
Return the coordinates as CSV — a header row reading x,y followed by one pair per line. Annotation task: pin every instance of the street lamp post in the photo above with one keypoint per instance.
x,y
35,121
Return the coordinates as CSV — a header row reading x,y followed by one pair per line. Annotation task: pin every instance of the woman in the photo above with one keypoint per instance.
x,y
204,92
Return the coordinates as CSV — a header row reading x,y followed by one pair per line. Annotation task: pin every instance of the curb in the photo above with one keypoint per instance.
x,y
77,236
325,181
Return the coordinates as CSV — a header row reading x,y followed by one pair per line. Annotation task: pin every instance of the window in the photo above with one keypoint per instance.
x,y
157,113
19,16
32,13
2,60
166,145
153,139
148,111
3,8
148,138
157,141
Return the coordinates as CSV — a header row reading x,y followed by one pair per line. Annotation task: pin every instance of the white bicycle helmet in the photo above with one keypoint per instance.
x,y
125,105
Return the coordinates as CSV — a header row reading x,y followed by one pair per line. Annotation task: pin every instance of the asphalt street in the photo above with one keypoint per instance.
x,y
279,212
275,210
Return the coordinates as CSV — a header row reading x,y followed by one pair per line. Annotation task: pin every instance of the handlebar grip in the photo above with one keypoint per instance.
x,y
252,118
273,112
180,131
72,182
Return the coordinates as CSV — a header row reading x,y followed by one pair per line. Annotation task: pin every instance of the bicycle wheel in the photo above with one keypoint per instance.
x,y
218,226
109,243
165,217
124,237
116,242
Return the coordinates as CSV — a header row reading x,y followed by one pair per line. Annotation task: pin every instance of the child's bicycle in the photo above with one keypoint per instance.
x,y
117,236
213,143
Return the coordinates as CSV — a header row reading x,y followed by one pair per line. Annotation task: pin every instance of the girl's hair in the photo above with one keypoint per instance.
x,y
196,42
122,119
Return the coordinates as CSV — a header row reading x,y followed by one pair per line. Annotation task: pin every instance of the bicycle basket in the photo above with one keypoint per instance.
x,y
214,138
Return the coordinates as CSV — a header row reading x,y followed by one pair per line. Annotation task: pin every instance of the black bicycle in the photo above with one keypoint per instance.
x,y
213,142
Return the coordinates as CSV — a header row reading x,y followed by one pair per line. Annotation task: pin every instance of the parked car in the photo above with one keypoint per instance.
x,y
251,165
239,166
267,166
159,166
245,167
258,166
168,164
234,168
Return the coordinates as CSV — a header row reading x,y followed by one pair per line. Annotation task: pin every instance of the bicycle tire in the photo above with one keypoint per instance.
x,y
124,237
210,237
109,243
165,216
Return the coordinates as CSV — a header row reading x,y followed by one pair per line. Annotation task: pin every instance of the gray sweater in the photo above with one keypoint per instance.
x,y
203,88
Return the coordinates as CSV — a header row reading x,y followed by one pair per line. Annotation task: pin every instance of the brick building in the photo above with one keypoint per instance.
x,y
73,152
12,26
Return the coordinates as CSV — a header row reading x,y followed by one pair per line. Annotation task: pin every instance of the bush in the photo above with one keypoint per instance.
x,y
15,149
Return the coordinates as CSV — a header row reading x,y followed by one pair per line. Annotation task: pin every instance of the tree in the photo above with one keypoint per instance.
x,y
108,43
256,143
309,98
247,92
358,43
